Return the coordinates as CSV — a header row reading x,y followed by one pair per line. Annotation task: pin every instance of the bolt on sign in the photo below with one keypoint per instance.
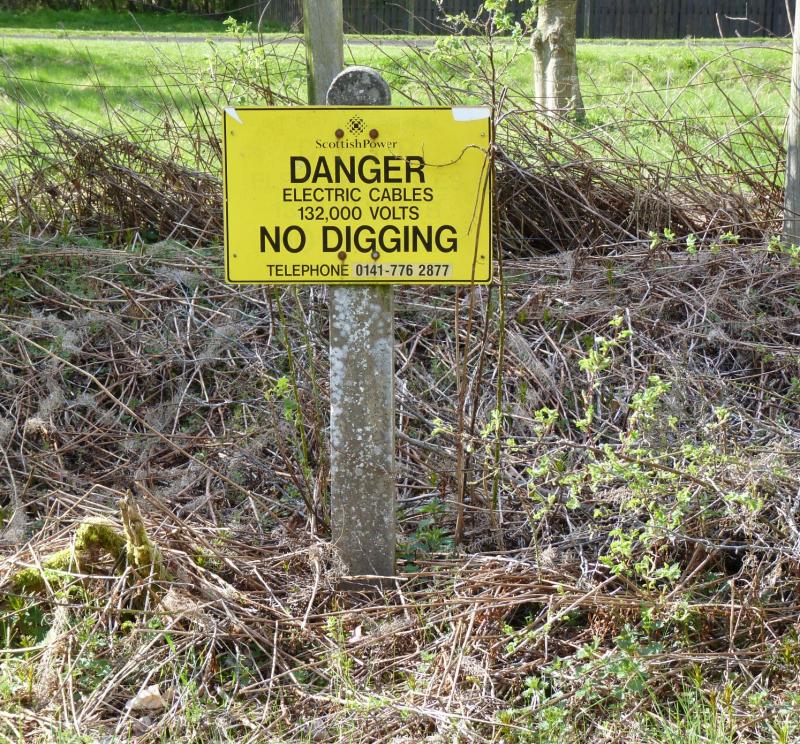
x,y
376,195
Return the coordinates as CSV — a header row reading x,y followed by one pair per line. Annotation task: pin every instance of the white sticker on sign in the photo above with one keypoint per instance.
x,y
230,111
470,113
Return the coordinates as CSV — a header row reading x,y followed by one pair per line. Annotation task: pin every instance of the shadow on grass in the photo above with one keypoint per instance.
x,y
104,20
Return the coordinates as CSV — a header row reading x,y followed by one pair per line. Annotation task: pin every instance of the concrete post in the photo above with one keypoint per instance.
x,y
362,396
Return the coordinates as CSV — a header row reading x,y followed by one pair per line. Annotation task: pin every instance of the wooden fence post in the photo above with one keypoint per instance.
x,y
587,19
791,203
362,396
324,32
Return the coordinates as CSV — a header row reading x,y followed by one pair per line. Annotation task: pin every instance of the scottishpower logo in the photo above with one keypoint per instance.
x,y
356,135
356,125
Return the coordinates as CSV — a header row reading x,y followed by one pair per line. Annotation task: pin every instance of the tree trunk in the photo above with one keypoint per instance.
x,y
791,203
555,66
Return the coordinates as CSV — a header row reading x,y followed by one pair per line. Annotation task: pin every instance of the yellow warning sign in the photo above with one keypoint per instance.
x,y
379,195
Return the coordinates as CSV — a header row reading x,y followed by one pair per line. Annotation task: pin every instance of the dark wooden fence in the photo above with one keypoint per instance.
x,y
676,19
597,19
375,16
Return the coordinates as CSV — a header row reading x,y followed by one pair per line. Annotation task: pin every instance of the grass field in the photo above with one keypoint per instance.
x,y
80,79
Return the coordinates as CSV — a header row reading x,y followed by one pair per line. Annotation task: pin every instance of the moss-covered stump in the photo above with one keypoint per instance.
x,y
95,539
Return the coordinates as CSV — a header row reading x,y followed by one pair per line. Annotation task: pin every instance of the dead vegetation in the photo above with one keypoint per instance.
x,y
616,420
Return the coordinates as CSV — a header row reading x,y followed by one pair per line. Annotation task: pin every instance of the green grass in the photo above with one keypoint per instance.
x,y
104,21
631,85
711,88
652,73
84,81
707,87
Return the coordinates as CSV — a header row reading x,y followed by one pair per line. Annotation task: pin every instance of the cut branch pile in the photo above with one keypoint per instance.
x,y
121,367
